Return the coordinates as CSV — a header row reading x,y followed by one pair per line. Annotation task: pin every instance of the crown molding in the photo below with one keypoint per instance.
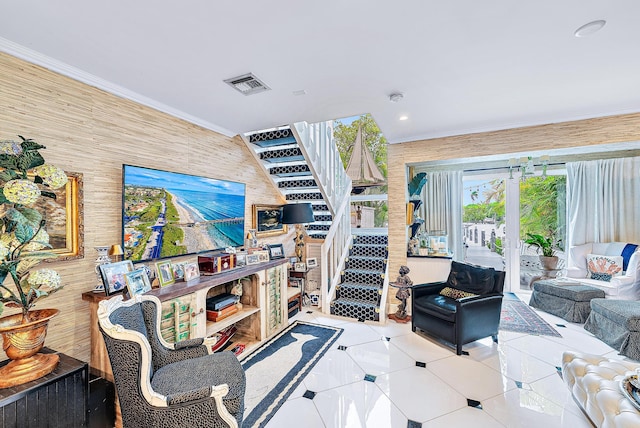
x,y
67,70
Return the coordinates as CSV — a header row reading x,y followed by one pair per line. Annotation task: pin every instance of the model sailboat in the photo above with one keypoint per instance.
x,y
362,169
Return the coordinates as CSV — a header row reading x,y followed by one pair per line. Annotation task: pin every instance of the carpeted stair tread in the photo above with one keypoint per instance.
x,y
364,271
359,285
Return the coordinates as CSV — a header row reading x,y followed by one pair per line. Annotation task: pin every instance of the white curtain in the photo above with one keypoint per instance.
x,y
442,207
603,201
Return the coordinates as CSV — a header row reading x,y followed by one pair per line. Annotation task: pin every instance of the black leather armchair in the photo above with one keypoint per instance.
x,y
460,319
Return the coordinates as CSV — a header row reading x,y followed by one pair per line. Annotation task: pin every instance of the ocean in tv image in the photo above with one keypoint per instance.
x,y
168,214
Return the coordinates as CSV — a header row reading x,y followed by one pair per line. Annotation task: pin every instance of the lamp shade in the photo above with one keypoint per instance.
x,y
297,213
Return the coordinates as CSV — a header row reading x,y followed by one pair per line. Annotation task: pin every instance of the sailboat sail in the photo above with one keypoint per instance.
x,y
362,169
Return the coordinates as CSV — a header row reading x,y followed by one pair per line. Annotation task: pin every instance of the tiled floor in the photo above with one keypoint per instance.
x,y
388,377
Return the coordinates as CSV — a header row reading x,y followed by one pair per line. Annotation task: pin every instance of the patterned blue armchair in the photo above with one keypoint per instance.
x,y
167,385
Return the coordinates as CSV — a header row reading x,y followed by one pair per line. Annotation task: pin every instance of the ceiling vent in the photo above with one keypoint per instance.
x,y
247,84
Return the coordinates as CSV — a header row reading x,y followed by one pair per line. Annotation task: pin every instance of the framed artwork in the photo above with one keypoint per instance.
x,y
137,282
252,259
276,251
300,267
113,276
191,271
267,220
165,273
312,262
65,216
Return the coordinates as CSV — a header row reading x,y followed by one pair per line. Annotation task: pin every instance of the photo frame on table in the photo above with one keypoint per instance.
x,y
165,273
178,271
113,276
252,259
312,262
300,267
191,271
267,220
137,282
276,251
263,255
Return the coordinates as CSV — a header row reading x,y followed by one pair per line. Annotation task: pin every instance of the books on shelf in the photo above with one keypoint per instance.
x,y
222,313
223,337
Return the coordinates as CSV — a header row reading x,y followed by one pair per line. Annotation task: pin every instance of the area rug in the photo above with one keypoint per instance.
x,y
276,368
519,317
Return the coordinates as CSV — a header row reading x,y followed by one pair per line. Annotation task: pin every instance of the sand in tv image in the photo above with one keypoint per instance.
x,y
167,214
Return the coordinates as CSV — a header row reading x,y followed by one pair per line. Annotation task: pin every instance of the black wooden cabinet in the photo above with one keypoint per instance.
x,y
59,399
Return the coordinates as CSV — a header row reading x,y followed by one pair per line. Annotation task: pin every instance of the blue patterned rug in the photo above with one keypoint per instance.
x,y
276,368
519,317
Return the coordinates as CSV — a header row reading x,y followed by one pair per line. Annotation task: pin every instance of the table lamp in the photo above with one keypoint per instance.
x,y
298,214
116,251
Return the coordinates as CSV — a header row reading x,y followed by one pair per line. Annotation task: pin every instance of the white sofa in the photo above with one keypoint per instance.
x,y
625,286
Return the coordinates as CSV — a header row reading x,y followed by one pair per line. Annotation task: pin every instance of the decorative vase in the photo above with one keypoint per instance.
x,y
549,263
22,342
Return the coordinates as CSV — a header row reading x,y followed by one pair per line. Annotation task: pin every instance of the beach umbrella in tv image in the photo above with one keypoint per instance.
x,y
298,214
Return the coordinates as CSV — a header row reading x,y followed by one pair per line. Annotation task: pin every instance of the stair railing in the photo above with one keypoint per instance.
x,y
321,152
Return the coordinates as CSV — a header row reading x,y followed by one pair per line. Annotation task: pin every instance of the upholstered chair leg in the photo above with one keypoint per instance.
x,y
495,338
458,348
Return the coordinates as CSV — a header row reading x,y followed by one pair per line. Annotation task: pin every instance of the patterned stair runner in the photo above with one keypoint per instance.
x,y
359,294
281,155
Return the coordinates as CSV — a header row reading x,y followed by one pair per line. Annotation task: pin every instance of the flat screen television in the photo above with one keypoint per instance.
x,y
168,214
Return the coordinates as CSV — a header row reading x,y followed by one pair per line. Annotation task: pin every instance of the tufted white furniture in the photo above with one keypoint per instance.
x,y
594,383
625,287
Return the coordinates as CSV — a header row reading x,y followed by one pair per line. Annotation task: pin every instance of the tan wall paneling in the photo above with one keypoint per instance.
x,y
92,132
589,132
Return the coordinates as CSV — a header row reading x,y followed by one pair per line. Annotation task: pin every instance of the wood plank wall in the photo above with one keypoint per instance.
x,y
582,133
93,132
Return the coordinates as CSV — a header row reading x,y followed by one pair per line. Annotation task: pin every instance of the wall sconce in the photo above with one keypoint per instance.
x,y
298,214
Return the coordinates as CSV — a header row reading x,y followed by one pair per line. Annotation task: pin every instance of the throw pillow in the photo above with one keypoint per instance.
x,y
603,268
454,293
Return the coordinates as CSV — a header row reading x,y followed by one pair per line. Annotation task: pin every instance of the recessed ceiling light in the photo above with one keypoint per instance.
x,y
403,117
300,92
590,28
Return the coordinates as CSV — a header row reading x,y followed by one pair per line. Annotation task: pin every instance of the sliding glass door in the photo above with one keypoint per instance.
x,y
499,212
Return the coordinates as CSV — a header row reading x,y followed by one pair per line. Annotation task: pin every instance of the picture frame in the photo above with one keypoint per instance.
x,y
178,271
165,273
113,276
267,220
276,251
300,267
252,259
65,219
312,262
137,282
263,255
191,271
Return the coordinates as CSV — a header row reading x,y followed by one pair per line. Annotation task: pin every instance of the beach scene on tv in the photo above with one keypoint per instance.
x,y
168,214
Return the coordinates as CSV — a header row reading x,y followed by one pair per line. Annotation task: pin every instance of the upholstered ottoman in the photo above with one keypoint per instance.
x,y
570,302
594,382
616,323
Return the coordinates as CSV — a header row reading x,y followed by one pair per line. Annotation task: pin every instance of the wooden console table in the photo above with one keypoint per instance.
x,y
59,399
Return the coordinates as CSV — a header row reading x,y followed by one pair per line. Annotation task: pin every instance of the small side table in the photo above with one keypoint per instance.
x,y
59,399
305,299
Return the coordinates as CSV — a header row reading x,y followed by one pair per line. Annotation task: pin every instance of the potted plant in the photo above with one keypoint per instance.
x,y
548,245
24,178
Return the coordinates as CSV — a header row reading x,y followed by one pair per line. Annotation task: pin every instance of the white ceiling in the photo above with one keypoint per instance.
x,y
463,66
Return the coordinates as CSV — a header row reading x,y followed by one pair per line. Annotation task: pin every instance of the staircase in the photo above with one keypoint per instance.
x,y
361,291
282,157
304,164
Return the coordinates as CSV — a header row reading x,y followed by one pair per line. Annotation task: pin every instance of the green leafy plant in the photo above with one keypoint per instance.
x,y
24,178
548,245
